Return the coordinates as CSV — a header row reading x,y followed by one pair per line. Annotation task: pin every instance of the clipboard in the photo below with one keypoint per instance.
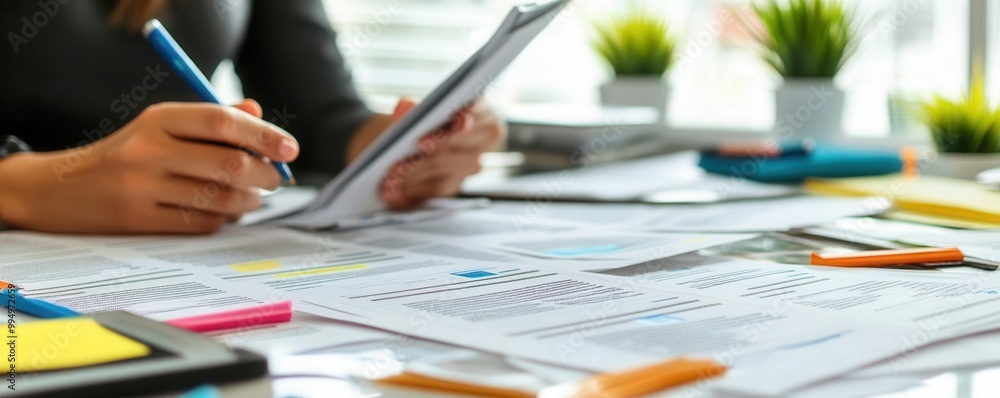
x,y
179,361
354,192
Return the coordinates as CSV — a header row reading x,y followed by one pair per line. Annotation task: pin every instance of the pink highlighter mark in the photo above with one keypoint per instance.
x,y
265,314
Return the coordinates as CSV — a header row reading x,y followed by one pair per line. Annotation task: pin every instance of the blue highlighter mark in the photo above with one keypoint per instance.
x,y
583,251
473,274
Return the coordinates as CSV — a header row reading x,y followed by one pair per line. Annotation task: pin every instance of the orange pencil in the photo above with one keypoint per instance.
x,y
641,381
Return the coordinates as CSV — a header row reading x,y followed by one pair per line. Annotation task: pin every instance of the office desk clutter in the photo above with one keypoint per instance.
x,y
530,265
615,260
571,288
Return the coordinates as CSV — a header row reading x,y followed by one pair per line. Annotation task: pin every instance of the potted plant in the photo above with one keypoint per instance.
x,y
966,133
639,48
806,42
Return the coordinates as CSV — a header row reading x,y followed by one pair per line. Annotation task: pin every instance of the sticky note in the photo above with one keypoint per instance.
x,y
256,266
965,200
68,343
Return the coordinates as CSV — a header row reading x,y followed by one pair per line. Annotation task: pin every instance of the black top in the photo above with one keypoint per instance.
x,y
68,78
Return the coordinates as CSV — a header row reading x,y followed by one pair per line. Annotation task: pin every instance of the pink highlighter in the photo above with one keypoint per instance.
x,y
265,314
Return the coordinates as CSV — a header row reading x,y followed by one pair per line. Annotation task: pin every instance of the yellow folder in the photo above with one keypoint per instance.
x,y
68,343
933,196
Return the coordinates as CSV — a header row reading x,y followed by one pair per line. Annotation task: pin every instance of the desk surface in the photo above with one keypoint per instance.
x,y
980,383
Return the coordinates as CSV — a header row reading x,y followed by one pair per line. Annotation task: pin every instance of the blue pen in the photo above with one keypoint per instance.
x,y
171,52
36,307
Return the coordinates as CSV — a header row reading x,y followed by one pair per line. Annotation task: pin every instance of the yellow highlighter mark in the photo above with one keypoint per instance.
x,y
256,266
319,271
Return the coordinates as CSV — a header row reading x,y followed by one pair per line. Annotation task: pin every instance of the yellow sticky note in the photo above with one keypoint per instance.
x,y
256,266
68,343
933,196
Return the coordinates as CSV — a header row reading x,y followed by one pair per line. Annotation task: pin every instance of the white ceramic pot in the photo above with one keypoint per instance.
x,y
808,108
649,91
960,165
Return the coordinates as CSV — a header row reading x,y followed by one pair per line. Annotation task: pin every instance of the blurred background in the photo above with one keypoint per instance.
x,y
912,48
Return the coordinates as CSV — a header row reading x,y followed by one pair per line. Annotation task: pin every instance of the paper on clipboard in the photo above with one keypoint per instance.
x,y
354,192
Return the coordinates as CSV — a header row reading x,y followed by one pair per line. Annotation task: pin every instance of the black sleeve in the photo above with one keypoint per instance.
x,y
290,63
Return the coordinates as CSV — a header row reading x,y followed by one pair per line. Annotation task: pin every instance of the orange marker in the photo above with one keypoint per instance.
x,y
412,380
878,258
639,382
7,285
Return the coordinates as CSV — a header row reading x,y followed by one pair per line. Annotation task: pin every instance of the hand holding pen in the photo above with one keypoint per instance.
x,y
175,168
180,63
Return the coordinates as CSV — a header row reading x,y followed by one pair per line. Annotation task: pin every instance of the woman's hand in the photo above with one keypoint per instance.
x,y
173,169
446,156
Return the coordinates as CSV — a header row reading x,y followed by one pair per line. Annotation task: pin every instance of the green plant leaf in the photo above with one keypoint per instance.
x,y
806,38
967,125
635,43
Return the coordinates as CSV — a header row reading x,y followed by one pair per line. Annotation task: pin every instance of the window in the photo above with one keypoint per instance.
x,y
912,48
399,47
993,49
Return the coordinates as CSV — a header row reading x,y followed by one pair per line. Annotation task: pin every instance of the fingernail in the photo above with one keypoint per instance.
x,y
288,149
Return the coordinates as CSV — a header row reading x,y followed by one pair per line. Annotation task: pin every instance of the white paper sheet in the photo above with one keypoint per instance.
x,y
777,214
162,277
612,244
584,320
304,333
979,350
937,305
285,201
485,236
